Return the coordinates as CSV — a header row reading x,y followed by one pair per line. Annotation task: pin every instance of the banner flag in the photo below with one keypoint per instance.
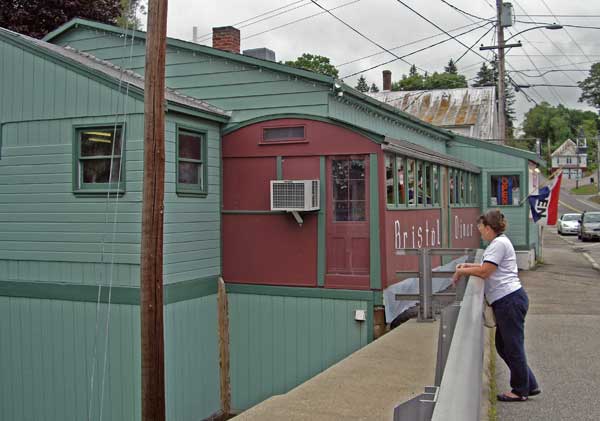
x,y
544,205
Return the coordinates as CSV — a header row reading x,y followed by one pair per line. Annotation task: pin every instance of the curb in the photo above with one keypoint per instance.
x,y
592,261
589,258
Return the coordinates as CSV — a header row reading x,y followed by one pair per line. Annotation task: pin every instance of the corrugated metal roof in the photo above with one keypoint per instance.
x,y
467,111
123,76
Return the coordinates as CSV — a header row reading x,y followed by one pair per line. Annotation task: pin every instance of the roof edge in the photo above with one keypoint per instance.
x,y
500,148
195,47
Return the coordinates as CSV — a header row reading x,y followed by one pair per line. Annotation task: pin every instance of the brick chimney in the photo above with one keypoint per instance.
x,y
226,38
387,80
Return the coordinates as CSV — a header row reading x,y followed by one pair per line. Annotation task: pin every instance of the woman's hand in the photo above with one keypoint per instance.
x,y
457,274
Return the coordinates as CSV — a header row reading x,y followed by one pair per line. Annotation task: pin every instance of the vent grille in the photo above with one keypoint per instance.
x,y
295,195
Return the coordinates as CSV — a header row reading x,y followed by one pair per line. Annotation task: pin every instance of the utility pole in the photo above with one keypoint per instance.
x,y
151,284
501,72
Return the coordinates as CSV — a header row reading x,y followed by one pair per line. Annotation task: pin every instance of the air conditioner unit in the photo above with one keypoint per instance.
x,y
295,195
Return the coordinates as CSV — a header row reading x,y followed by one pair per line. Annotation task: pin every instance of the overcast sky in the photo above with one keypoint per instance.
x,y
391,24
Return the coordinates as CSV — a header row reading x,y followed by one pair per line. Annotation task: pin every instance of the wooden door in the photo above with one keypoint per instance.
x,y
348,247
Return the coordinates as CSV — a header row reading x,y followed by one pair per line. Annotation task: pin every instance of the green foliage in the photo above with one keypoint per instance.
x,y
587,189
132,13
451,68
416,82
485,76
557,124
38,17
362,85
590,87
314,63
374,88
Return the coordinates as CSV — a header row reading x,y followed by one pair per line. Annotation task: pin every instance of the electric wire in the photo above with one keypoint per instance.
x,y
411,43
206,36
452,37
475,43
467,13
300,20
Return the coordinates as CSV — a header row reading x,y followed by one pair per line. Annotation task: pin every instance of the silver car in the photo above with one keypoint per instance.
x,y
569,223
589,227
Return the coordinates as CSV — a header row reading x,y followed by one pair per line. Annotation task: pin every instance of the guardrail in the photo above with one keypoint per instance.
x,y
456,395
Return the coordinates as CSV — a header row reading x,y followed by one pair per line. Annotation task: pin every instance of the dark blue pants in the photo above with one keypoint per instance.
x,y
510,314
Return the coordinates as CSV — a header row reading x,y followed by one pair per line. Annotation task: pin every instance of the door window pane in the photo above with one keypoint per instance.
x,y
436,185
420,183
349,198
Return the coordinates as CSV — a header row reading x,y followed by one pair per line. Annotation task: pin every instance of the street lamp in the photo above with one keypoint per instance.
x,y
551,27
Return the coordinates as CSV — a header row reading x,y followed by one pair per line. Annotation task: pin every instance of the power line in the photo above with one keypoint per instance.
x,y
522,72
209,34
438,27
467,13
415,52
412,43
300,20
362,35
475,43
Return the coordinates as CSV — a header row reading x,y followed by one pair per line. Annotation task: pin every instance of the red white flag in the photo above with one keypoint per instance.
x,y
544,205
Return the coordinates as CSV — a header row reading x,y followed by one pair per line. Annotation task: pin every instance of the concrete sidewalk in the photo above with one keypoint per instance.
x,y
562,338
366,385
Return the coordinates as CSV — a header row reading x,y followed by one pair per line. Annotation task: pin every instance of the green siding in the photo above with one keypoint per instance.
x,y
192,226
192,359
493,162
278,342
49,350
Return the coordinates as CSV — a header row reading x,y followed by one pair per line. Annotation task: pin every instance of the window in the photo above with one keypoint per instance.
x,y
389,178
428,185
410,175
421,187
283,134
99,160
435,191
191,162
569,160
451,185
400,178
505,190
348,176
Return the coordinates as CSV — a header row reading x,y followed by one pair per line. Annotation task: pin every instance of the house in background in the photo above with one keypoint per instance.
x,y
469,112
572,158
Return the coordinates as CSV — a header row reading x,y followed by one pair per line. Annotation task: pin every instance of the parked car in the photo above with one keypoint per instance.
x,y
568,223
589,226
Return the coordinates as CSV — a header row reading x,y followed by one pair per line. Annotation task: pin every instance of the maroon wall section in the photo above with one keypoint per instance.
x,y
246,183
463,227
270,249
321,139
409,229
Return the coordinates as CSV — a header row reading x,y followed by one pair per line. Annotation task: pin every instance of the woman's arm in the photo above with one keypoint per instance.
x,y
483,271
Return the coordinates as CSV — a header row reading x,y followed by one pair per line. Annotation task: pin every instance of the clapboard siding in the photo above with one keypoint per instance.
x,y
47,233
192,244
278,342
53,355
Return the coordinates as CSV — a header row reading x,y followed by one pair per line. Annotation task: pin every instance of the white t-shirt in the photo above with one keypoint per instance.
x,y
505,279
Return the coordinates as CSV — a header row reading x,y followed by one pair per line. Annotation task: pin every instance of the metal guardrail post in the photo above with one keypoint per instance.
x,y
425,287
448,317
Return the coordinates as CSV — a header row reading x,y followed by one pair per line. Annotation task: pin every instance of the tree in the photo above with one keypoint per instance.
x,y
554,125
132,12
314,63
590,87
485,76
445,81
374,88
36,18
451,68
413,70
362,84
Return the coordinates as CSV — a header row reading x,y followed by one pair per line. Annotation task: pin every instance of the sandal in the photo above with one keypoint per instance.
x,y
505,398
535,392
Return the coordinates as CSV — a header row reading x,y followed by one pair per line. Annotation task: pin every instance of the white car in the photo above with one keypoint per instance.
x,y
569,223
